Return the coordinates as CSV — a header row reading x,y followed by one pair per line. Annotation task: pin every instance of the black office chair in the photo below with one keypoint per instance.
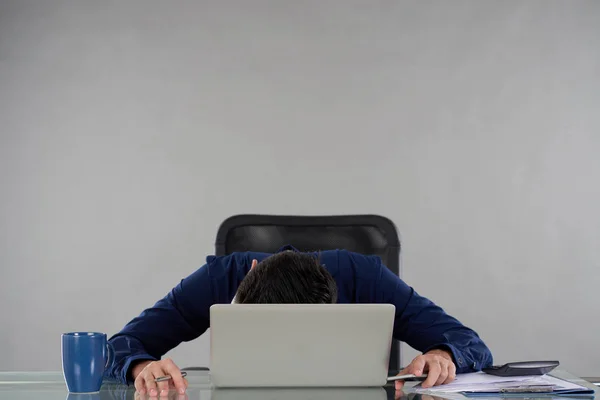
x,y
365,234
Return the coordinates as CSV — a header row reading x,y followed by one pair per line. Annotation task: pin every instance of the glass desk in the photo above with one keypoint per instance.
x,y
51,386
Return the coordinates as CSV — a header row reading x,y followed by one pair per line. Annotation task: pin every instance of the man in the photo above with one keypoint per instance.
x,y
289,276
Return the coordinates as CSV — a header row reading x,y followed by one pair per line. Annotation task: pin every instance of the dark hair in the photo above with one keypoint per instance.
x,y
287,278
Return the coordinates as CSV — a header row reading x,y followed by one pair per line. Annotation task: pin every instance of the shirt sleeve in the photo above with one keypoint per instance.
x,y
182,315
425,326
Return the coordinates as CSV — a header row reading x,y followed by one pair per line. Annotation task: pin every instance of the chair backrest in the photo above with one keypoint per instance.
x,y
365,234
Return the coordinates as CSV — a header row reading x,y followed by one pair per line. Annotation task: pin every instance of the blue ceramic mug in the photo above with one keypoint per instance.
x,y
85,358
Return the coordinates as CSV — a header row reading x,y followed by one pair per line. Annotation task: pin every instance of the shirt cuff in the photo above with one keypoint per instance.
x,y
462,363
125,373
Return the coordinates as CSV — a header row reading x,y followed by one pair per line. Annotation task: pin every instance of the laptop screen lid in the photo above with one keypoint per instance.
x,y
294,345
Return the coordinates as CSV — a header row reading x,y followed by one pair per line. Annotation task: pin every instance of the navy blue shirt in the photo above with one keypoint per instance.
x,y
183,314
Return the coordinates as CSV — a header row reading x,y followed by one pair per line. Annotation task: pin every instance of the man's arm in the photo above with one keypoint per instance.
x,y
181,316
425,326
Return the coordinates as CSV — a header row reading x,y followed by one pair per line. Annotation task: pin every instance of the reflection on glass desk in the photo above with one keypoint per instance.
x,y
51,386
593,379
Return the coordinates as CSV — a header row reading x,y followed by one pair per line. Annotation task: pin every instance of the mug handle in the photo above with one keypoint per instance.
x,y
110,355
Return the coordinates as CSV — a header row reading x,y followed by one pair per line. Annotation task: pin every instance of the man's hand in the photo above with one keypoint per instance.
x,y
437,363
146,372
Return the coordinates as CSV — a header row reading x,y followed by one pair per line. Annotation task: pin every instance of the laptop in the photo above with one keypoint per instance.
x,y
300,345
324,393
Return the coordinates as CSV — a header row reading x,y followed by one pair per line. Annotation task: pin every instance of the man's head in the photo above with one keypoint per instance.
x,y
287,278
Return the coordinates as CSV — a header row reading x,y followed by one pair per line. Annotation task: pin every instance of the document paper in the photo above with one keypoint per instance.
x,y
480,382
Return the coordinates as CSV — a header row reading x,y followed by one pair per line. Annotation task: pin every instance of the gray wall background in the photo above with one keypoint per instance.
x,y
131,129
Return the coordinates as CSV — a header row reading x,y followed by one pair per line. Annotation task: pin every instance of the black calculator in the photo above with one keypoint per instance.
x,y
522,368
